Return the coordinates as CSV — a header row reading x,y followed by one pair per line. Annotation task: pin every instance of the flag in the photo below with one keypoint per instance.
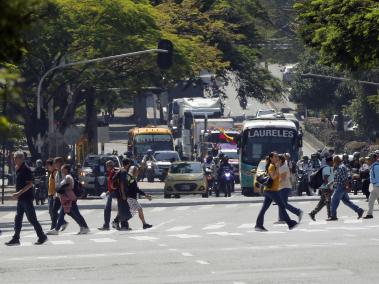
x,y
226,137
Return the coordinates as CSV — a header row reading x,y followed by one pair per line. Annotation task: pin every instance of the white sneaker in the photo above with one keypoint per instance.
x,y
64,226
83,231
301,215
52,232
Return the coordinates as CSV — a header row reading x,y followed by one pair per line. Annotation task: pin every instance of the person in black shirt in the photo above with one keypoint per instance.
x,y
123,207
132,191
24,195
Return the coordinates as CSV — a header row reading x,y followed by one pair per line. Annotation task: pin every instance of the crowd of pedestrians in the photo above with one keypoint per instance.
x,y
63,188
122,185
335,187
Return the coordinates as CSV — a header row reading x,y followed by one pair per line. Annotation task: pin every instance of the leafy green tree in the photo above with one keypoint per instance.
x,y
231,27
344,32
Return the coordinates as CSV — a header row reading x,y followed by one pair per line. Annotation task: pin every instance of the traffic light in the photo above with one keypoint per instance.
x,y
164,60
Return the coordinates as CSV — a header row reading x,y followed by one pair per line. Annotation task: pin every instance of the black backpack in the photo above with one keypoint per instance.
x,y
78,188
316,179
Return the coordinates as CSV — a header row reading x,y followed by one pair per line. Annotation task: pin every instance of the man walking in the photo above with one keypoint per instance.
x,y
112,193
374,184
124,213
58,163
325,189
24,195
342,187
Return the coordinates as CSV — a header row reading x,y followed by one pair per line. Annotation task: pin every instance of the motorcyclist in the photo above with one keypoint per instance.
x,y
345,160
354,164
305,166
209,163
215,150
224,166
40,180
149,157
315,162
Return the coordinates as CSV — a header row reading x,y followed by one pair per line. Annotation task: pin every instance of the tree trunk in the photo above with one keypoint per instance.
x,y
91,123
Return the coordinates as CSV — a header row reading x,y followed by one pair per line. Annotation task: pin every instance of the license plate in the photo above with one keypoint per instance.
x,y
186,187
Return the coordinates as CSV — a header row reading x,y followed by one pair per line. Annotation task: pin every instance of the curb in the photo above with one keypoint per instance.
x,y
247,200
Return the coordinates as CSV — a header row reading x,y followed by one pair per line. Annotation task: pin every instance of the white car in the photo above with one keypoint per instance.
x,y
163,162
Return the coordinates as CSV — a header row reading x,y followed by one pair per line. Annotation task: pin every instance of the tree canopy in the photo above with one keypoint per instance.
x,y
344,32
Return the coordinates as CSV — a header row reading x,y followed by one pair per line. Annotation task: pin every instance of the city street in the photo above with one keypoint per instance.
x,y
214,243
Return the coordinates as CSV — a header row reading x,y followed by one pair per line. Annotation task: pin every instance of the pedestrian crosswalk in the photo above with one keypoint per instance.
x,y
190,223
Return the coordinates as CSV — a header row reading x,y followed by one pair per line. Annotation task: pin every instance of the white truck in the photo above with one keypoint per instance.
x,y
183,111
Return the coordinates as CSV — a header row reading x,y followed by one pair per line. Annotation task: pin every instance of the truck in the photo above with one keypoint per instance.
x,y
208,132
182,113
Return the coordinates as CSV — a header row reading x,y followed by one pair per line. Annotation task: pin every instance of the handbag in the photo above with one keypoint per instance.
x,y
265,180
62,188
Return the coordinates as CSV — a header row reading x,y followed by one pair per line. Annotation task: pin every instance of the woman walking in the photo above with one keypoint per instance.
x,y
69,206
272,194
285,189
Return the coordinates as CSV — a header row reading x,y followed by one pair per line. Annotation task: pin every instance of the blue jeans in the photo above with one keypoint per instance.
x,y
26,206
108,209
269,197
338,195
75,214
284,193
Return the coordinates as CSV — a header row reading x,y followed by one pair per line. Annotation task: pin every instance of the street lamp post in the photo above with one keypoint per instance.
x,y
62,66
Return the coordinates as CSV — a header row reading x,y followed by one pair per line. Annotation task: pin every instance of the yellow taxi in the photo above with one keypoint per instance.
x,y
257,172
185,178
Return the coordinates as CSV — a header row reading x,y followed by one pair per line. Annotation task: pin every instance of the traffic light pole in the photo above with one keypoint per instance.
x,y
82,62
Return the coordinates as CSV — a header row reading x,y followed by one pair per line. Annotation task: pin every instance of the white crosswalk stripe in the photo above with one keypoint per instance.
x,y
103,240
246,226
183,208
178,228
224,234
214,226
63,242
185,236
144,238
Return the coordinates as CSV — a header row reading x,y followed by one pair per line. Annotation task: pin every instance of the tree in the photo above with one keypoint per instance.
x,y
231,27
69,30
344,32
318,94
15,18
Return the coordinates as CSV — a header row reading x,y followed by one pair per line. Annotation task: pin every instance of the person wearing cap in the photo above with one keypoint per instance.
x,y
374,184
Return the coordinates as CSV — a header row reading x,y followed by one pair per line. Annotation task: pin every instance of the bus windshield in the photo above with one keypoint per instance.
x,y
150,138
155,142
254,149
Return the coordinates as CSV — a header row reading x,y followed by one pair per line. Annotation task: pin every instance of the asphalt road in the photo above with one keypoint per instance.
x,y
199,244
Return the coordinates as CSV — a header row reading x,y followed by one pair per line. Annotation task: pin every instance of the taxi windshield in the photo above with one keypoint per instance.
x,y
186,168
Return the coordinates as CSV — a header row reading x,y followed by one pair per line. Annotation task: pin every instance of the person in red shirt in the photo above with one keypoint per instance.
x,y
111,193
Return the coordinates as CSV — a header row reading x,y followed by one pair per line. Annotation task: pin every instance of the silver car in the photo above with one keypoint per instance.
x,y
163,162
93,173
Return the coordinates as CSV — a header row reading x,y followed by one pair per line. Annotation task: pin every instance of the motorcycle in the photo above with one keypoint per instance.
x,y
226,183
149,171
40,190
210,179
356,181
302,183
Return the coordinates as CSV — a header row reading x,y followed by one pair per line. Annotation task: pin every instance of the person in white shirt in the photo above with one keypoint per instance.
x,y
325,189
285,189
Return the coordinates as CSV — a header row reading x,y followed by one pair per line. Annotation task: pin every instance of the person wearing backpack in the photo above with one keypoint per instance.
x,y
323,180
69,206
374,184
271,193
